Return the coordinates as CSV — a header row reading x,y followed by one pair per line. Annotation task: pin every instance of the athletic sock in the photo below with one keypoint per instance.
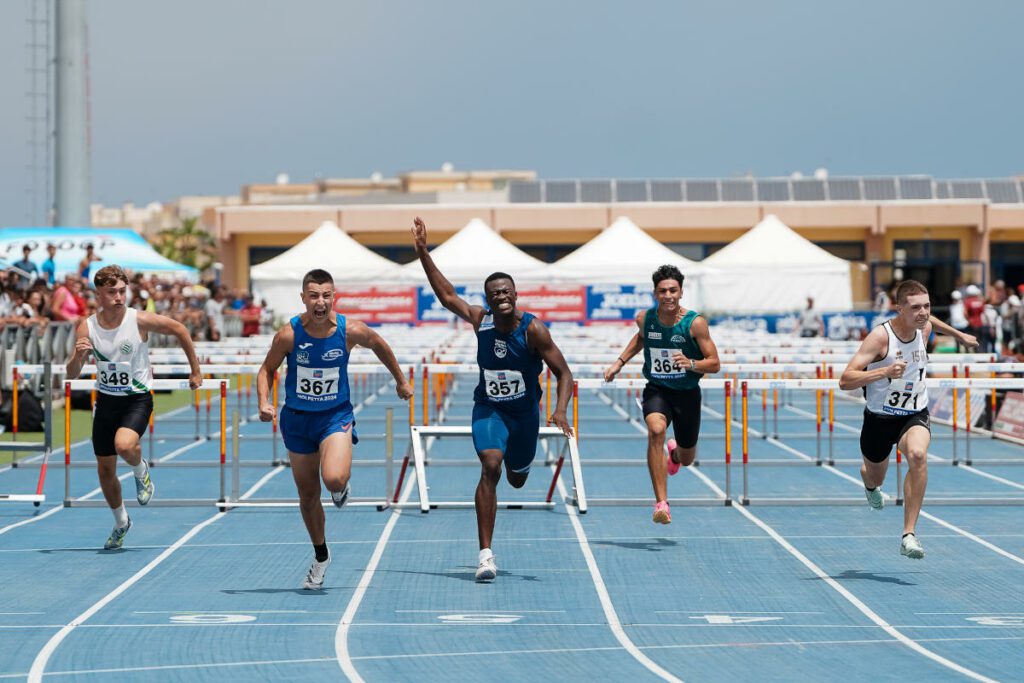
x,y
140,469
909,533
486,554
120,516
871,489
321,552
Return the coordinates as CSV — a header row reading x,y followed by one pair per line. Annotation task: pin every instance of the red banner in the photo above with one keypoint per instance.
x,y
1011,416
565,303
377,304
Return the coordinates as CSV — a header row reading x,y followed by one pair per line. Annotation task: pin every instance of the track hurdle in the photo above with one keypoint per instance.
x,y
45,447
157,385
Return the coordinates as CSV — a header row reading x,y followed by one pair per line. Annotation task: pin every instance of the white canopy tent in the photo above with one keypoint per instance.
x,y
624,254
772,269
279,280
476,251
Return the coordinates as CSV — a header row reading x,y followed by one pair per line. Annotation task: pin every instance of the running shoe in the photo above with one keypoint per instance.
x,y
487,570
673,466
875,498
341,497
662,515
144,488
911,547
116,538
315,576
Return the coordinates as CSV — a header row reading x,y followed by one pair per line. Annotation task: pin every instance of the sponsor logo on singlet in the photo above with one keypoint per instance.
x,y
333,354
126,348
301,357
678,339
654,335
500,348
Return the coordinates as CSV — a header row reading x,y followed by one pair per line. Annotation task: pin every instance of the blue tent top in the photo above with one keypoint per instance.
x,y
120,246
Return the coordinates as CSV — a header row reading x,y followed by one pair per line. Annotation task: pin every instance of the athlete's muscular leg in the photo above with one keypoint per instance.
x,y
873,473
336,460
657,424
914,445
486,494
106,468
128,445
306,472
684,456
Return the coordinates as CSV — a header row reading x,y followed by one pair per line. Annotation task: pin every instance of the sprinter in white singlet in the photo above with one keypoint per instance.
x,y
117,337
891,367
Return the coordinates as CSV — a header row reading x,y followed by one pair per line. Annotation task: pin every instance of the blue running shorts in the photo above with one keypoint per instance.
x,y
303,430
515,435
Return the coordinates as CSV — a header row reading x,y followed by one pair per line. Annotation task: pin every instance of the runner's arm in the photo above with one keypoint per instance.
x,y
710,364
855,376
153,322
82,348
280,347
358,333
443,289
968,340
545,347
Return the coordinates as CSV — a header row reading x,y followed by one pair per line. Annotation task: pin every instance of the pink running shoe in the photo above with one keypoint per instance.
x,y
673,466
662,515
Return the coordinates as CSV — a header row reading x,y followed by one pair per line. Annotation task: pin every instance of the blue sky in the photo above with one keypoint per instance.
x,y
199,97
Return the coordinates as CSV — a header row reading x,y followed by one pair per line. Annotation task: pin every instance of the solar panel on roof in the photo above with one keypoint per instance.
x,y
666,191
942,189
560,191
808,190
631,191
524,191
844,189
879,188
915,188
1002,191
701,191
595,190
738,190
967,189
773,191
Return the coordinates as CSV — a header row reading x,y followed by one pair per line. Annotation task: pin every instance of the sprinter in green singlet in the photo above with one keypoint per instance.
x,y
678,351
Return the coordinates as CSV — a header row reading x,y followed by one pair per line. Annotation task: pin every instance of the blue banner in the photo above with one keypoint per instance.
x,y
617,302
850,325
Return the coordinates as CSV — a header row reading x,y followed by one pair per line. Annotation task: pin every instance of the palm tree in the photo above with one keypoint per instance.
x,y
188,244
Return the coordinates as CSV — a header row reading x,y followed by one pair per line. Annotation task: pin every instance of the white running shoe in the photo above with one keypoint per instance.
x,y
875,499
144,488
487,570
341,497
911,547
315,576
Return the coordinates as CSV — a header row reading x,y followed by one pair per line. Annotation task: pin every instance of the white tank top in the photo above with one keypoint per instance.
x,y
122,357
908,394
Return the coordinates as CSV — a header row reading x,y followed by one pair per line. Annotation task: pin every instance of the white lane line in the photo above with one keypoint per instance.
x,y
492,653
341,652
856,602
606,602
96,491
35,674
973,537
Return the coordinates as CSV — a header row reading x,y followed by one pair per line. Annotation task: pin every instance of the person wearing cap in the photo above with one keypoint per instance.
x,y
974,309
957,318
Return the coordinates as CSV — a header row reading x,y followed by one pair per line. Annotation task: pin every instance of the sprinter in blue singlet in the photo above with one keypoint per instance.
x,y
318,421
512,347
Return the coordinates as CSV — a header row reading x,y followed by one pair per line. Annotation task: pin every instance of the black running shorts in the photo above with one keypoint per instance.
x,y
680,406
113,413
881,432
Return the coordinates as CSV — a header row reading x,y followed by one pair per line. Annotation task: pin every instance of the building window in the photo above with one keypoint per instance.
x,y
851,251
549,253
398,254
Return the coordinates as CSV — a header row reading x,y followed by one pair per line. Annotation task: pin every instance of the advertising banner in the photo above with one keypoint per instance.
x,y
617,303
377,305
1011,415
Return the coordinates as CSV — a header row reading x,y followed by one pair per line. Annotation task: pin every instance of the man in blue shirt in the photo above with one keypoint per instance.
x,y
318,420
512,347
50,266
29,269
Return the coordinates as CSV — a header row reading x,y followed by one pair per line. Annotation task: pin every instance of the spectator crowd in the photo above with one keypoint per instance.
x,y
32,294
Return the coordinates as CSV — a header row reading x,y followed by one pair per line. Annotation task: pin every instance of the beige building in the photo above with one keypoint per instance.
x,y
945,233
